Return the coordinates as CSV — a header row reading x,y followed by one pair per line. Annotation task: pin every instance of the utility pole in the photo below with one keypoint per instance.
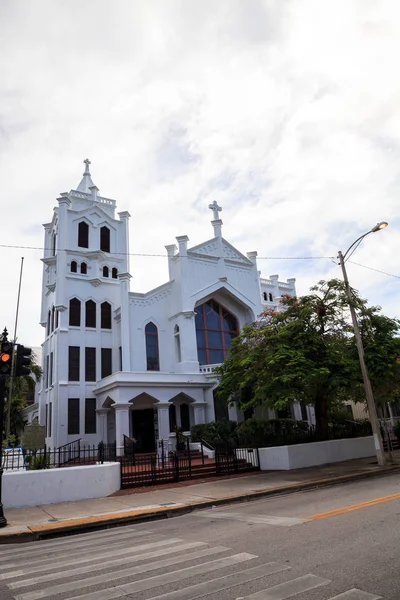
x,y
373,417
5,366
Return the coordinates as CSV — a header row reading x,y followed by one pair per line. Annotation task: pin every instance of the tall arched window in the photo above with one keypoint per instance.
x,y
52,318
105,315
177,338
83,235
74,266
114,273
151,333
75,312
265,296
90,310
105,272
84,268
105,239
270,297
48,322
54,243
215,329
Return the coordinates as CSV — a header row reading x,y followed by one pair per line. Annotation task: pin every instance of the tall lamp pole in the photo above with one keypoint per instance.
x,y
373,417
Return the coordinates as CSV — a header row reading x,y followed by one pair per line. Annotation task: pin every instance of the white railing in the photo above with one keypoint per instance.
x,y
208,368
106,201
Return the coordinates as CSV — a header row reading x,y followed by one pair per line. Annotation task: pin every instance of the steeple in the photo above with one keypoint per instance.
x,y
216,222
86,182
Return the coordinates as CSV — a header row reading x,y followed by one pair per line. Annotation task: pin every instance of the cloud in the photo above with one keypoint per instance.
x,y
286,113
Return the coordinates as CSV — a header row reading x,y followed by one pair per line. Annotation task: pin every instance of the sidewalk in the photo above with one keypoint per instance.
x,y
144,504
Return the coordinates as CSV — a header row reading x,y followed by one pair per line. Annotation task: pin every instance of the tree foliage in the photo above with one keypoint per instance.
x,y
306,352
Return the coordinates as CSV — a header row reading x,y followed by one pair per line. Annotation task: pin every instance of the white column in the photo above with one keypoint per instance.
x,y
199,413
125,321
233,411
163,421
209,404
163,429
103,429
122,414
297,410
63,205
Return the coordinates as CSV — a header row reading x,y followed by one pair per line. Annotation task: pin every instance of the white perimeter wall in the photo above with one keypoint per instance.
x,y
285,458
48,486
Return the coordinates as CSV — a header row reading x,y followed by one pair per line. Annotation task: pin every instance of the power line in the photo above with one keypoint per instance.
x,y
376,270
166,255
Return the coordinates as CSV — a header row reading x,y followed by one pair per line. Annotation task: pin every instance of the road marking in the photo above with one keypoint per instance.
x,y
223,583
290,588
82,556
121,591
356,595
64,574
121,574
44,550
256,519
351,507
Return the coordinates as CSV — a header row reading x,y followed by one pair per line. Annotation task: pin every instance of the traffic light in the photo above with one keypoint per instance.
x,y
22,361
6,356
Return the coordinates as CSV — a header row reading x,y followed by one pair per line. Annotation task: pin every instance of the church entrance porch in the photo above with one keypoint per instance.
x,y
144,425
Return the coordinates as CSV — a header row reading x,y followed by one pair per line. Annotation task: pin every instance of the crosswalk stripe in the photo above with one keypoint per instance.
x,y
121,574
256,519
65,574
289,588
355,594
223,583
39,549
82,554
159,580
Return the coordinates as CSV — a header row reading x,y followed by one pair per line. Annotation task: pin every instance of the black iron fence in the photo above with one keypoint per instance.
x,y
74,454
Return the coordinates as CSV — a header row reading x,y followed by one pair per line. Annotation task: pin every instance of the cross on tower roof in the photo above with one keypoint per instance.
x,y
87,163
216,209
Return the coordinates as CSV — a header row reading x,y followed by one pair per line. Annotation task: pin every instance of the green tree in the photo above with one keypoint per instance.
x,y
306,352
22,388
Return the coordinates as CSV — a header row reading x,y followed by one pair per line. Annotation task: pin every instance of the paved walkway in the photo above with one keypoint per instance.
x,y
169,500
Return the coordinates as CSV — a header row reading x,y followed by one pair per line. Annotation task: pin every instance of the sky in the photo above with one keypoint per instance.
x,y
286,112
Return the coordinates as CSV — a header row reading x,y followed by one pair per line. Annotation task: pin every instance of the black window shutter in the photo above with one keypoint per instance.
x,y
73,363
73,416
90,415
90,364
106,362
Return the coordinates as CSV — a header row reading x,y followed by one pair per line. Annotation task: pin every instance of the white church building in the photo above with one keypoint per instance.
x,y
117,362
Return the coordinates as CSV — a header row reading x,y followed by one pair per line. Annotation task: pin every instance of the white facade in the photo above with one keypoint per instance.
x,y
145,361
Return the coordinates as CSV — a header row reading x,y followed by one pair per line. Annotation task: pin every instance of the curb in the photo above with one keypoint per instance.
x,y
34,533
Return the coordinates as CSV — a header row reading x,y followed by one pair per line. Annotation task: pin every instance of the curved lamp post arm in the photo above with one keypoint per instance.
x,y
377,227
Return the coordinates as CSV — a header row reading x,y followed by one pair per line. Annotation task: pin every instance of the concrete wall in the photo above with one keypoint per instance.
x,y
298,456
33,488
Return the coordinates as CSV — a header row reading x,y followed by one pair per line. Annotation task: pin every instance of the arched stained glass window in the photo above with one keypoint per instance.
x,y
90,314
84,268
177,337
75,312
215,329
83,235
105,239
114,273
105,315
105,272
74,266
152,355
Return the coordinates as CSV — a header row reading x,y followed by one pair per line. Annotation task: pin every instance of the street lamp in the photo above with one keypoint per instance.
x,y
373,417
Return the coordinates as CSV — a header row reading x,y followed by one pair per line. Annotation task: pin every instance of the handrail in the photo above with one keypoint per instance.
x,y
69,444
206,444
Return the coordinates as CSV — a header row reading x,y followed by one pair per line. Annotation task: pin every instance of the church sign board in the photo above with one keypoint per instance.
x,y
34,437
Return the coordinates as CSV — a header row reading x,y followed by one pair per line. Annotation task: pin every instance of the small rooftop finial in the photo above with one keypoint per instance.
x,y
216,209
86,182
87,163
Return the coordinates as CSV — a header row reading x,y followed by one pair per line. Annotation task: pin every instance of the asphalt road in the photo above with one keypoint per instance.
x,y
325,542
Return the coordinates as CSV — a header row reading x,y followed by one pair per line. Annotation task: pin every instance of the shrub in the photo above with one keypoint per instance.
x,y
215,433
38,462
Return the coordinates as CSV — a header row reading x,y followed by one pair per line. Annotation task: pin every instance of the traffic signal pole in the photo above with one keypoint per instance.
x,y
3,521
